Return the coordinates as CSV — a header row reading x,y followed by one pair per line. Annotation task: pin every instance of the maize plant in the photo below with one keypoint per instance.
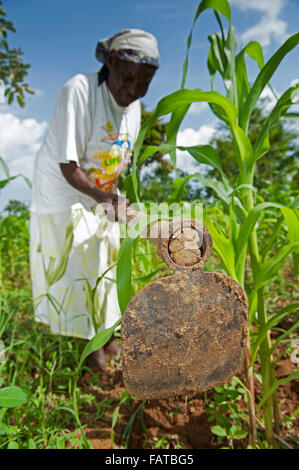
x,y
241,245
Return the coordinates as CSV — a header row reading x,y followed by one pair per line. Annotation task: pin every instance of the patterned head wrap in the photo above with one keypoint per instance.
x,y
133,45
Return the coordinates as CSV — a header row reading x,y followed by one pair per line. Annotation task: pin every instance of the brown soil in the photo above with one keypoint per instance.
x,y
176,422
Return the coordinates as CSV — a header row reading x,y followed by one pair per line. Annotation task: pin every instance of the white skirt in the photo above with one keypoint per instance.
x,y
74,291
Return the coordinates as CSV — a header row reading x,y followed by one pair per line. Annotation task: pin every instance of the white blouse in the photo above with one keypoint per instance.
x,y
87,126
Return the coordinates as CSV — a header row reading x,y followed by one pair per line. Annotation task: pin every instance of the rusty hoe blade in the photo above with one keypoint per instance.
x,y
187,332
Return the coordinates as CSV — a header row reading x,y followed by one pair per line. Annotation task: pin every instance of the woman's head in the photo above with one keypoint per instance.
x,y
130,60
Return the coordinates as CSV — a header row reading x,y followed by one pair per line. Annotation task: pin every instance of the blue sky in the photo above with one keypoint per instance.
x,y
58,38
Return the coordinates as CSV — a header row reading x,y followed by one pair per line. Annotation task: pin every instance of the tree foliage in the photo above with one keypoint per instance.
x,y
12,68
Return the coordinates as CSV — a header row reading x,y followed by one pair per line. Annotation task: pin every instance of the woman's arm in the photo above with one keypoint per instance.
x,y
78,179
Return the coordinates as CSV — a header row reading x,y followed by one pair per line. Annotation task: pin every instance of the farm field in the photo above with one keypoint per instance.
x,y
43,365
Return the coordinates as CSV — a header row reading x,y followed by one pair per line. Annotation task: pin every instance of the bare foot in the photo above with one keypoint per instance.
x,y
112,347
97,359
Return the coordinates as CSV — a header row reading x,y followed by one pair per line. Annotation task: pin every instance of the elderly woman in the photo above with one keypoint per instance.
x,y
89,142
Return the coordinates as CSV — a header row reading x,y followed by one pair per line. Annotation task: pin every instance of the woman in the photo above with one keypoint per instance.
x,y
89,142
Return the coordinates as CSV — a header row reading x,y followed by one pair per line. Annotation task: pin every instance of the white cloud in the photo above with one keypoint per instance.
x,y
270,26
270,102
19,142
271,7
198,108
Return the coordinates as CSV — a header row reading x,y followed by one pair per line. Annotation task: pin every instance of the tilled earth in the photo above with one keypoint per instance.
x,y
168,423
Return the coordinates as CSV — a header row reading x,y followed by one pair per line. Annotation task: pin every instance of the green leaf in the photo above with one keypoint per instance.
x,y
219,431
173,127
292,222
237,432
244,150
224,247
12,396
269,393
169,104
57,267
294,205
216,185
262,144
123,273
66,408
3,183
263,329
115,415
248,226
128,187
27,181
13,445
221,6
255,51
151,149
205,154
219,59
264,77
10,97
229,76
98,341
267,271
178,188
5,167
147,278
21,101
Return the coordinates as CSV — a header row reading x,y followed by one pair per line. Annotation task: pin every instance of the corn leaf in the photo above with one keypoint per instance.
x,y
98,341
276,231
173,127
248,226
255,51
151,149
252,300
4,167
244,150
292,222
267,271
284,335
57,268
268,326
123,273
205,154
172,102
218,57
263,78
211,66
224,248
3,183
229,76
266,395
220,6
217,186
262,143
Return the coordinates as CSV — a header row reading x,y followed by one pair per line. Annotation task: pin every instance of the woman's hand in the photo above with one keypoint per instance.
x,y
115,206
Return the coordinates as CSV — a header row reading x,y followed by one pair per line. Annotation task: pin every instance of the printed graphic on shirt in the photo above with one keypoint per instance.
x,y
112,162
